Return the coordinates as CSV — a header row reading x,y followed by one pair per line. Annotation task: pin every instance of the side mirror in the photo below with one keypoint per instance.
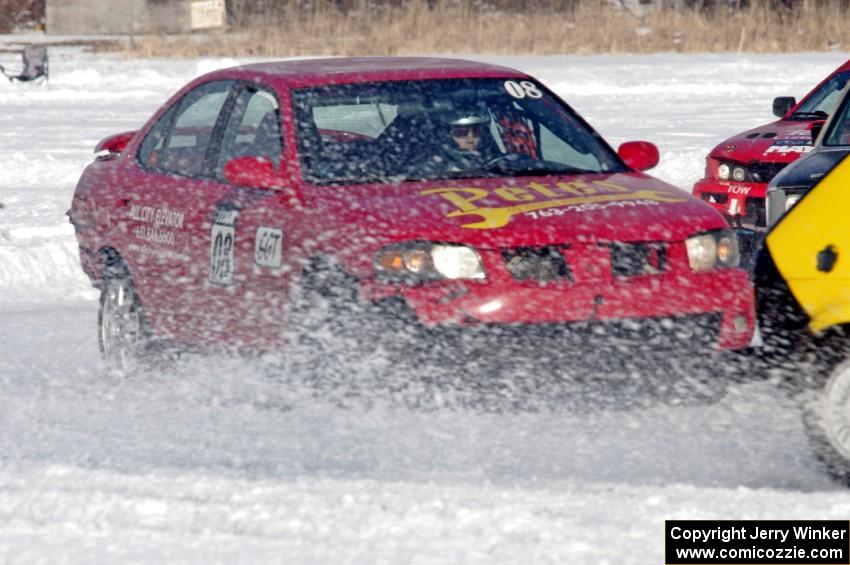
x,y
816,128
782,105
115,143
253,172
639,155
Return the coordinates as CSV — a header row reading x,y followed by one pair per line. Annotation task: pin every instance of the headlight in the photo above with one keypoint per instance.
x,y
715,249
780,201
422,260
457,262
791,199
739,173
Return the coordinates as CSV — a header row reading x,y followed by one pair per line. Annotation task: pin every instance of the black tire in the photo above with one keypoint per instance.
x,y
325,307
324,331
782,322
822,389
124,336
354,352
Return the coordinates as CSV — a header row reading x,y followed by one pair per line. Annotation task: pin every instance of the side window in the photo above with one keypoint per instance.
x,y
367,119
178,143
253,129
152,145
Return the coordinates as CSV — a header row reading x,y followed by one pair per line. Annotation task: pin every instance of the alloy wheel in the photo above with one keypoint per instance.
x,y
120,326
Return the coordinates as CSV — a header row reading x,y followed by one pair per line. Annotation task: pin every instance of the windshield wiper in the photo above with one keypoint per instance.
x,y
495,170
817,114
544,171
531,167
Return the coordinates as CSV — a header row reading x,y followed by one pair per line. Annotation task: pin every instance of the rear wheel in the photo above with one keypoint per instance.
x,y
123,334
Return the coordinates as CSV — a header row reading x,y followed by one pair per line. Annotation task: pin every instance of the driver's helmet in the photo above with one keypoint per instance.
x,y
469,129
462,121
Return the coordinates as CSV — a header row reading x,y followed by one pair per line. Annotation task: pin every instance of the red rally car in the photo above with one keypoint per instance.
x,y
465,193
739,169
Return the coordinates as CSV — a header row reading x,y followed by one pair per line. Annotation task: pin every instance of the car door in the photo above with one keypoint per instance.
x,y
240,253
811,249
164,208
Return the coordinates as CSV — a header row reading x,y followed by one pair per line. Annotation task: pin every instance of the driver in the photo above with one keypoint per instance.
x,y
471,144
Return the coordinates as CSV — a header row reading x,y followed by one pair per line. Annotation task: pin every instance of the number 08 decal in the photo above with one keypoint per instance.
x,y
222,246
522,89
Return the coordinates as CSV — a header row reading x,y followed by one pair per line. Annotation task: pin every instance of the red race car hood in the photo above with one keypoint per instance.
x,y
522,211
777,142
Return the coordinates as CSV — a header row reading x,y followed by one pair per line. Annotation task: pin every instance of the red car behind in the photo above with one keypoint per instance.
x,y
467,194
739,169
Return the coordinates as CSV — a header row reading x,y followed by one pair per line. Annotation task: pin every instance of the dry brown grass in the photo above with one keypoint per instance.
x,y
590,27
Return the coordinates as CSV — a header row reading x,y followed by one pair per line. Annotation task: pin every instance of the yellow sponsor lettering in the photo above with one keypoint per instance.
x,y
543,190
498,217
455,196
538,196
514,194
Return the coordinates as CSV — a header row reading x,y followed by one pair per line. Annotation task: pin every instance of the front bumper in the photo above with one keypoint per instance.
x,y
741,203
716,305
743,206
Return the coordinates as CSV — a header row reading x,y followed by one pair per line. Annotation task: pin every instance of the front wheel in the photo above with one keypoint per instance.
x,y
122,332
826,413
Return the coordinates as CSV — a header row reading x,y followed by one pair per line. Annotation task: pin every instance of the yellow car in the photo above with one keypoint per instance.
x,y
803,296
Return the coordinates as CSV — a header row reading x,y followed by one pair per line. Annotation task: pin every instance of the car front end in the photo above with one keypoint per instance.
x,y
636,290
737,175
598,256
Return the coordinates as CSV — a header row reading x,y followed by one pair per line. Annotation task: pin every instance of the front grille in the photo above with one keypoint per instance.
x,y
715,197
634,259
541,264
764,172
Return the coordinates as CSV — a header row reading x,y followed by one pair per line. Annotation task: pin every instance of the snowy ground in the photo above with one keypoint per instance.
x,y
216,462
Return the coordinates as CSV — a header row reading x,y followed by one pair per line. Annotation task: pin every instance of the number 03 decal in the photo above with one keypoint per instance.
x,y
222,246
522,89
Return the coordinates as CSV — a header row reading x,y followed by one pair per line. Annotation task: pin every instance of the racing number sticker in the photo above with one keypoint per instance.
x,y
222,245
522,89
267,247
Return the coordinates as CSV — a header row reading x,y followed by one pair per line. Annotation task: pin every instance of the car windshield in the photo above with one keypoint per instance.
x,y
824,99
440,129
838,134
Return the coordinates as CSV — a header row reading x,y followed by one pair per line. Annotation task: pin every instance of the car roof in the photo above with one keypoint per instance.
x,y
307,72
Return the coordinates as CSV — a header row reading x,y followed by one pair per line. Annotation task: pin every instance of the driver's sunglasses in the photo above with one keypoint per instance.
x,y
463,131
